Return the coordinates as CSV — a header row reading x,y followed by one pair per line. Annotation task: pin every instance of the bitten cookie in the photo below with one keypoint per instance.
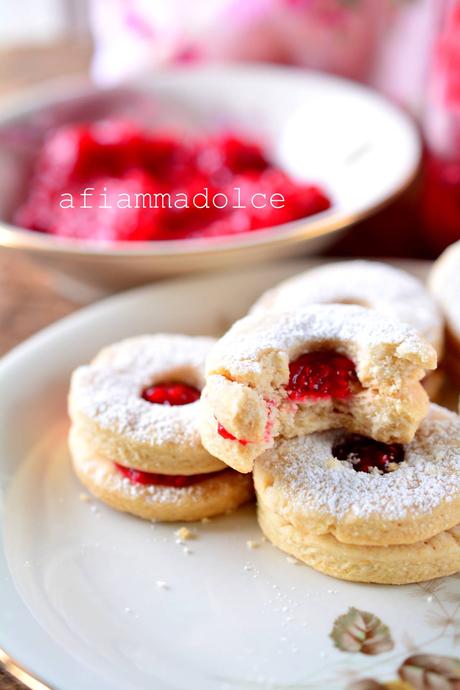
x,y
389,290
322,367
444,283
134,438
364,511
364,492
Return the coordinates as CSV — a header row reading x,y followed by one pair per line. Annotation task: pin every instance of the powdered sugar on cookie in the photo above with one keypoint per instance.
x,y
109,390
388,290
306,473
244,347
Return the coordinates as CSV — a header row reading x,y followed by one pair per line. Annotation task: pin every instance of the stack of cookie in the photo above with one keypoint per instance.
x,y
134,438
320,392
356,474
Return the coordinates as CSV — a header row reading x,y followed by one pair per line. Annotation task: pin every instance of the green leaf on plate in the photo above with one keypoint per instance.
x,y
431,672
361,631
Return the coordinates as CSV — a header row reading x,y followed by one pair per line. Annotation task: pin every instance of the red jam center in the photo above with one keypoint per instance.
x,y
177,481
365,454
222,431
171,393
321,375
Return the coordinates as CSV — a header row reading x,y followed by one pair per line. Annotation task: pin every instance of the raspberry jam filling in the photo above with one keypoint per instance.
x,y
171,393
319,375
270,405
222,431
365,454
141,185
177,481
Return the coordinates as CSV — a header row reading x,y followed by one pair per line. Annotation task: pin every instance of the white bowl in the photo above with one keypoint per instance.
x,y
363,150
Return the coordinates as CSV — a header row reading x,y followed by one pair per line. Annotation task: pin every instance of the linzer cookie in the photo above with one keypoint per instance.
x,y
389,290
134,439
322,367
362,510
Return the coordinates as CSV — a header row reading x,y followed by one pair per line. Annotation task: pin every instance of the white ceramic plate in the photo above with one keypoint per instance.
x,y
362,149
79,604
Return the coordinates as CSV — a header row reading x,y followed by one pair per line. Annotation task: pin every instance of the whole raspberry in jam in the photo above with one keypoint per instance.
x,y
78,152
322,375
230,154
365,454
177,481
171,393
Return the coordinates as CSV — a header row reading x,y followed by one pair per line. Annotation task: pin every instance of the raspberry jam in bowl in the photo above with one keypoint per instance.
x,y
113,181
333,149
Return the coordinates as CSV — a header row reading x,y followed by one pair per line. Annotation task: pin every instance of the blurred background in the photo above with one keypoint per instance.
x,y
408,50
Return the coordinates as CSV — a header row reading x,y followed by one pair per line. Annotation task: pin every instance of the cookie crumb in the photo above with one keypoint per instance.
x,y
251,544
187,551
161,584
333,463
184,534
84,498
292,560
205,520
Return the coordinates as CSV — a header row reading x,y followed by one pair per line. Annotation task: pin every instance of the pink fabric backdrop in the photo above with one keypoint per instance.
x,y
384,42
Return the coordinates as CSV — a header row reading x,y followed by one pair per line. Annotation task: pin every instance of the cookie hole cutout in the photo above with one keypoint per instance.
x,y
171,393
366,455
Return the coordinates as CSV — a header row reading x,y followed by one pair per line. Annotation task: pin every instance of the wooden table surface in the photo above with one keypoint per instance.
x,y
28,299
